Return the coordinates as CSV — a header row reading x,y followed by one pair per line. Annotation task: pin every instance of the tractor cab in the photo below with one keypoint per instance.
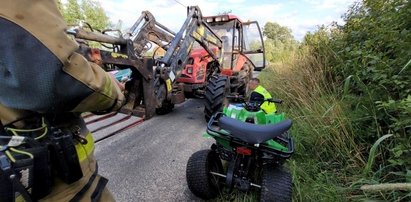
x,y
243,52
240,39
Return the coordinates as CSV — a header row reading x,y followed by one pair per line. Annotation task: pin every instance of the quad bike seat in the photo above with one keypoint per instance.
x,y
253,133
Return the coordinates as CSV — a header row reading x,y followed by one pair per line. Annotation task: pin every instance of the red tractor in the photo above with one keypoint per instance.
x,y
243,52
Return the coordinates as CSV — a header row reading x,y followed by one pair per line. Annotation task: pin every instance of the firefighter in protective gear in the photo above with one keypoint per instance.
x,y
41,73
259,94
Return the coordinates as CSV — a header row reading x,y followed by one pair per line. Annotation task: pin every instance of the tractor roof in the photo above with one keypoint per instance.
x,y
225,17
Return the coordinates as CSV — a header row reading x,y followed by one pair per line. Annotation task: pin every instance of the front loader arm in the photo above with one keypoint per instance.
x,y
146,29
155,90
193,29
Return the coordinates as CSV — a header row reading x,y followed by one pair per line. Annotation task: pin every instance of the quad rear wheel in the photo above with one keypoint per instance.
x,y
199,179
276,184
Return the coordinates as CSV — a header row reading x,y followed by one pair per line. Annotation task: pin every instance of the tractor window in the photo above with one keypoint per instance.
x,y
253,45
237,37
225,31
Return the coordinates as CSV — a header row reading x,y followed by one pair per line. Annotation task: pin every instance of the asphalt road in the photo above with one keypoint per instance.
x,y
148,162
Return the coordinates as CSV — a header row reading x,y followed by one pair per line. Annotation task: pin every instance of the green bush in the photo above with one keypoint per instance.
x,y
323,134
368,59
348,89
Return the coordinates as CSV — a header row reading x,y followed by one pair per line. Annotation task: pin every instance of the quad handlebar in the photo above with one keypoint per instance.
x,y
241,98
252,105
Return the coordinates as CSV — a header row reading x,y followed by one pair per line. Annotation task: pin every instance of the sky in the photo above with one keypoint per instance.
x,y
300,16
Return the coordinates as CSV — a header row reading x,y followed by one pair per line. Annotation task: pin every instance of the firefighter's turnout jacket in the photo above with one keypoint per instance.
x,y
40,73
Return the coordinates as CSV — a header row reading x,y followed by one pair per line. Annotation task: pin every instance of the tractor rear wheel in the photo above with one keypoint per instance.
x,y
217,89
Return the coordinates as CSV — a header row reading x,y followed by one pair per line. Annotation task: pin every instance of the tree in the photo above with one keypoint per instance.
x,y
89,11
275,31
72,12
279,41
368,58
60,6
95,14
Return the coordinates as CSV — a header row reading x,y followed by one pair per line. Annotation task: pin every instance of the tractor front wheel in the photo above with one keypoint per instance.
x,y
218,88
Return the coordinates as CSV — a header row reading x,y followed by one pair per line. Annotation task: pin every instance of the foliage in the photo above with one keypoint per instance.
x,y
72,12
325,142
89,11
279,43
375,47
275,31
348,89
95,14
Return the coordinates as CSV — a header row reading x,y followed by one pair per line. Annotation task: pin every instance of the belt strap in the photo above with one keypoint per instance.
x,y
102,182
83,190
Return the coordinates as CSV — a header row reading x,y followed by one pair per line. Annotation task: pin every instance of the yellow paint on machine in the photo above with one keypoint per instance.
x,y
211,39
118,55
201,30
196,35
199,33
169,87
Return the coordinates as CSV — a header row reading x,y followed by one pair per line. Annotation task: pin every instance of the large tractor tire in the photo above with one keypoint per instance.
x,y
276,184
199,179
218,88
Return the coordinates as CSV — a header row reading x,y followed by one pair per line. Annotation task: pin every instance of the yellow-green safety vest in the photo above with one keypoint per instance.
x,y
267,107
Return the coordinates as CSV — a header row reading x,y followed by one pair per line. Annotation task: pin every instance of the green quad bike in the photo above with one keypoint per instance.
x,y
254,146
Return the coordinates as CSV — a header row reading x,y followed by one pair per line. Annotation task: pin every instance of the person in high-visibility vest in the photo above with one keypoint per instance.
x,y
44,87
259,94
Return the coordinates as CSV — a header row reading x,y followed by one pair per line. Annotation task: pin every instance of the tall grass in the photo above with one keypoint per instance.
x,y
328,156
